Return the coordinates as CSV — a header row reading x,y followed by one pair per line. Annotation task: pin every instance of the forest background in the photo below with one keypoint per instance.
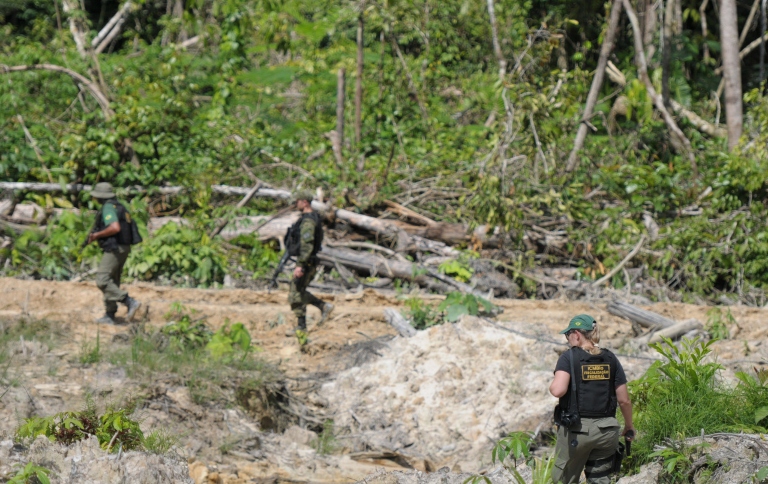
x,y
462,111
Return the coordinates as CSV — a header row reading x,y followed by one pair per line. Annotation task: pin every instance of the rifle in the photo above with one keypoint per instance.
x,y
283,260
93,229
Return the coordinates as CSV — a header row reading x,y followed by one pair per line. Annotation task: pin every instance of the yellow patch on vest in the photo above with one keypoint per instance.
x,y
127,217
595,372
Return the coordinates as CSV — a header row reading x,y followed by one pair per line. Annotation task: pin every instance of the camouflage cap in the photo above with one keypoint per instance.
x,y
303,195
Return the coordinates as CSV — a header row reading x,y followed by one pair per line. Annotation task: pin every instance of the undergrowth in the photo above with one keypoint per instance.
x,y
456,304
210,364
681,396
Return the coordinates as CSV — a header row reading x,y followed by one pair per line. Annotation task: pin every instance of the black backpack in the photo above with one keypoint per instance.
x,y
293,236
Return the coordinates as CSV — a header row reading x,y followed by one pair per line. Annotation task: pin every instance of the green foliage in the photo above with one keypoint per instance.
x,y
761,475
228,340
456,304
184,332
421,314
326,442
457,269
31,474
677,461
719,323
114,428
179,254
91,353
680,396
159,441
517,446
256,256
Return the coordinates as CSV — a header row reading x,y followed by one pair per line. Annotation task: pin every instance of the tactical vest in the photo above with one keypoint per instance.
x,y
595,384
293,236
124,237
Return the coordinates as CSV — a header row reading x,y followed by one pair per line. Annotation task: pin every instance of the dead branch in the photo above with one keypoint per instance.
x,y
397,321
621,264
657,101
223,222
673,332
109,38
407,212
746,50
92,87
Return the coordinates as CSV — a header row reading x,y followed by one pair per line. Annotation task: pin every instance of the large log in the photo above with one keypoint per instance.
x,y
642,317
77,187
673,332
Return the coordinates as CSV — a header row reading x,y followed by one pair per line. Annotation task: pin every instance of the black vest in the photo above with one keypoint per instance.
x,y
293,236
109,244
595,384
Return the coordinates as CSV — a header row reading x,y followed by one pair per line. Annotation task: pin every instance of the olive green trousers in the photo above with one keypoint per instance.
x,y
299,297
108,277
596,442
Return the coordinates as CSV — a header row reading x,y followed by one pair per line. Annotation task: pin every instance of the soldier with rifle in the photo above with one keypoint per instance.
x,y
116,232
303,241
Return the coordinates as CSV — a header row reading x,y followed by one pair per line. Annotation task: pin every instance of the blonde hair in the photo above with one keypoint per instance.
x,y
594,338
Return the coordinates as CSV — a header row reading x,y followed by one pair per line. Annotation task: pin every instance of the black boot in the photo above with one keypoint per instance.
x,y
132,305
302,323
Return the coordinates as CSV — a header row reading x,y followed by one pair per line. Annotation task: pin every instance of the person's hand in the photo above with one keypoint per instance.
x,y
629,433
91,237
298,272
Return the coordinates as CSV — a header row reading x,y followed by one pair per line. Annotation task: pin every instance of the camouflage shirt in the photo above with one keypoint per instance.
x,y
306,241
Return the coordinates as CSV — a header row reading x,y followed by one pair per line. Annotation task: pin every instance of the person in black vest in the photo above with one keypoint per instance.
x,y
113,231
307,235
588,432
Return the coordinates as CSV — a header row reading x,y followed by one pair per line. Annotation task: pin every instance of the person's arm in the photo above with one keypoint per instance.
x,y
109,231
559,386
622,396
306,244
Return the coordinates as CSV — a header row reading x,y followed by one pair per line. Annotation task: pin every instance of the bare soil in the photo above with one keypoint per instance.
x,y
227,444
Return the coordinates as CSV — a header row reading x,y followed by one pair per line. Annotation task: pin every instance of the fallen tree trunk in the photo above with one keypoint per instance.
x,y
78,187
673,332
642,317
397,321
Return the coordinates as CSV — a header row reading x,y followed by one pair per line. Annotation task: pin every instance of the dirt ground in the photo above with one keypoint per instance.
x,y
358,318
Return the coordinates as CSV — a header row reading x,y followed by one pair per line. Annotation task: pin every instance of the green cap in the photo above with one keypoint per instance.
x,y
103,190
582,322
303,195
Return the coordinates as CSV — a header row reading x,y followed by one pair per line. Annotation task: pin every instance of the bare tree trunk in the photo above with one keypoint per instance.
x,y
666,50
495,38
597,83
340,101
704,32
649,29
359,80
729,41
76,26
763,27
657,101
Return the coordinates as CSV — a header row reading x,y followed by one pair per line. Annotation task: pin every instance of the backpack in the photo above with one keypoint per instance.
x,y
293,236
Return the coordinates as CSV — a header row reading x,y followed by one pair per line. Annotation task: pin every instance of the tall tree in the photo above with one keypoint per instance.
x,y
729,42
597,83
359,80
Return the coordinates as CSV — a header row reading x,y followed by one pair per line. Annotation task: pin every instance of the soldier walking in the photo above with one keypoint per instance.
x,y
113,230
307,232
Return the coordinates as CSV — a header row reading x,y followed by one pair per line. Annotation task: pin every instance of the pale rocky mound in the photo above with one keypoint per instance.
x,y
86,463
446,395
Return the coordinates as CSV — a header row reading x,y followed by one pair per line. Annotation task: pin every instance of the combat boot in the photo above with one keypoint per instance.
x,y
108,318
327,309
132,305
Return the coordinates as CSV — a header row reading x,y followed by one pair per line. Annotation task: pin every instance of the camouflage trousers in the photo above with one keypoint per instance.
x,y
596,442
108,276
299,297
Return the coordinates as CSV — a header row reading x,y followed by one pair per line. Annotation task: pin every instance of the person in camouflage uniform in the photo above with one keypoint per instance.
x,y
310,236
112,230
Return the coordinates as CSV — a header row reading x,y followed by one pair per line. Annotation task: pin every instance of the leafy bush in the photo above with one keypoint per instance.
x,y
681,395
179,254
31,474
184,332
719,323
455,304
517,446
457,269
227,340
114,429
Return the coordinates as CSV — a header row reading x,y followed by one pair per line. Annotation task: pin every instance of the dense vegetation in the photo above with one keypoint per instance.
x,y
441,130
